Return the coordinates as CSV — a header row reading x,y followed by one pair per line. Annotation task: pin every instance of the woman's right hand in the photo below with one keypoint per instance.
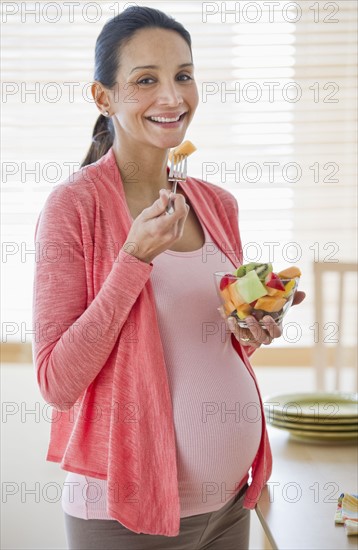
x,y
154,230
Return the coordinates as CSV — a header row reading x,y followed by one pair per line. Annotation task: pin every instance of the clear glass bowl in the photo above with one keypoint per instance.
x,y
257,313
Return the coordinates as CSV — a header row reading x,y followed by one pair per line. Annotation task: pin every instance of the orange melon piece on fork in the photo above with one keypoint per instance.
x,y
185,148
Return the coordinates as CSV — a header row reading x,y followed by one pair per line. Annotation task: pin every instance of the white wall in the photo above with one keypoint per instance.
x,y
28,520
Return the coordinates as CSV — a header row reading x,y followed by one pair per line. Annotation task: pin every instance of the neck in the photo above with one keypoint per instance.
x,y
143,171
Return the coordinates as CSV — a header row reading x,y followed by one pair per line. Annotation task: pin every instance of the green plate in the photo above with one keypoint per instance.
x,y
320,436
349,423
336,407
314,426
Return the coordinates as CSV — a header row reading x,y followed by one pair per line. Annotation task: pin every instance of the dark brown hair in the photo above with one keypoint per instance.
x,y
115,33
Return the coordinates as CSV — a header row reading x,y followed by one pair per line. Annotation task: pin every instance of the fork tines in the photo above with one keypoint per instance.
x,y
178,172
178,168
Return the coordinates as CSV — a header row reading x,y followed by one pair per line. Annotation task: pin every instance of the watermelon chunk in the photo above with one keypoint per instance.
x,y
273,281
226,280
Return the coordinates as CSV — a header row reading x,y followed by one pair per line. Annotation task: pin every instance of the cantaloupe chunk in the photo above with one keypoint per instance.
x,y
235,295
185,148
229,307
225,294
275,291
270,303
290,273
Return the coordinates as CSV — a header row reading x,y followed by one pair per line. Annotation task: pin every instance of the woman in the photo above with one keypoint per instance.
x,y
156,416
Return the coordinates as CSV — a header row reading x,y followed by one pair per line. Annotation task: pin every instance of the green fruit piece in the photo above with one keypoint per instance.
x,y
250,287
263,270
251,266
241,271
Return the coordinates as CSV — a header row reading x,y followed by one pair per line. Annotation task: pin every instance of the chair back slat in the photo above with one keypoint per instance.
x,y
320,355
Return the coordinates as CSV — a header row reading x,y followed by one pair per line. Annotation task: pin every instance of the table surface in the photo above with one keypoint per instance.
x,y
298,504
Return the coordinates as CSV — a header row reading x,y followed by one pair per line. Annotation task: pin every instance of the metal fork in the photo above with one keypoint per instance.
x,y
178,172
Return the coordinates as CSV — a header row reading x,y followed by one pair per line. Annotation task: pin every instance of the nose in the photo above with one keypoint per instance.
x,y
170,94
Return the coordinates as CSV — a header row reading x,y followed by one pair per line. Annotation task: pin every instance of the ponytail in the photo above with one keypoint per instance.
x,y
102,140
115,34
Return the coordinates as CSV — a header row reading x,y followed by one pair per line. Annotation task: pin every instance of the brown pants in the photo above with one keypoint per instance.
x,y
225,529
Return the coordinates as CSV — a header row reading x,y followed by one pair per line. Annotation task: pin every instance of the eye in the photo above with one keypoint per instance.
x,y
185,77
145,80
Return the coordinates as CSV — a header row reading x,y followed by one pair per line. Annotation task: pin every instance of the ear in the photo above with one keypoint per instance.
x,y
100,96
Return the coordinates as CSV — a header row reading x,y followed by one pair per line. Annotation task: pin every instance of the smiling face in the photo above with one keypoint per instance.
x,y
156,96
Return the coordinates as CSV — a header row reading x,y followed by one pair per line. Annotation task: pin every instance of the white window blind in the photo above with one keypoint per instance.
x,y
276,127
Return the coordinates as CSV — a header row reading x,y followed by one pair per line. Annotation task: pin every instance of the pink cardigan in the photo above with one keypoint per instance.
x,y
98,352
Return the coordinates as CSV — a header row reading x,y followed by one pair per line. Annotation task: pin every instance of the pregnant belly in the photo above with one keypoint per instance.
x,y
218,427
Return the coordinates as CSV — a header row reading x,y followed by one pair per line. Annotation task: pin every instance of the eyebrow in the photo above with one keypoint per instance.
x,y
156,67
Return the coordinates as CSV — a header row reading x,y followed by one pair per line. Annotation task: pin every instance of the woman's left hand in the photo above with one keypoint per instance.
x,y
255,334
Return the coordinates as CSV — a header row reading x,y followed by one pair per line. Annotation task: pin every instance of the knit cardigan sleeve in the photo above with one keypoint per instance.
x,y
73,339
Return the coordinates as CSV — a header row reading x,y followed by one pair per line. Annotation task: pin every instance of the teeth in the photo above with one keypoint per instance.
x,y
162,119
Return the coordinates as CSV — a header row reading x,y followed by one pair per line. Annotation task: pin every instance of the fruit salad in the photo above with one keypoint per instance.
x,y
254,289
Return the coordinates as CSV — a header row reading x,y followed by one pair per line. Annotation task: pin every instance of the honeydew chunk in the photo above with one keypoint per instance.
x,y
185,148
290,273
250,287
270,303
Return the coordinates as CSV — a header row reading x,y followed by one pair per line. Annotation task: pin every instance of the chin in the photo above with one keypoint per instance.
x,y
169,144
175,141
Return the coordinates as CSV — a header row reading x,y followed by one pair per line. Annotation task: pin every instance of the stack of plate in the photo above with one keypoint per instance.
x,y
315,416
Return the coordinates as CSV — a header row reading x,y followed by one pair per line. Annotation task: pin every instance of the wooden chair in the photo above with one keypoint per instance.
x,y
320,349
